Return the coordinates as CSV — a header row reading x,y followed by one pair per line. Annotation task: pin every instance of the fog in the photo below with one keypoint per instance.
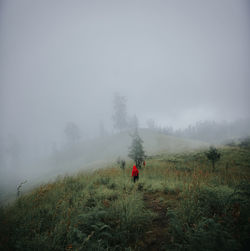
x,y
176,62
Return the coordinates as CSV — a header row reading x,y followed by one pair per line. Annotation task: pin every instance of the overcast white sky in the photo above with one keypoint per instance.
x,y
176,61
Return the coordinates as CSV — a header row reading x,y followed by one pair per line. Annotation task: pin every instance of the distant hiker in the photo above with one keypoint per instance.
x,y
144,163
135,173
123,163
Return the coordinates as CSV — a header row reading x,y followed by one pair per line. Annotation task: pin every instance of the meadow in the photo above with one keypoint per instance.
x,y
179,203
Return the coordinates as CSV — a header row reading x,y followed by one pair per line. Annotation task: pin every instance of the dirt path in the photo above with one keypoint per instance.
x,y
156,238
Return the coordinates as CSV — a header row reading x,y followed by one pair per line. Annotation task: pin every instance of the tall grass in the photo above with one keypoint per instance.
x,y
105,210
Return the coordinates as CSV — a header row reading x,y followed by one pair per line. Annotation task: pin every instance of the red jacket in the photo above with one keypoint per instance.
x,y
135,171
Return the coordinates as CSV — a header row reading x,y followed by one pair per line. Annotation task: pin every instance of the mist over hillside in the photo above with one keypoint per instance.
x,y
76,75
109,148
93,154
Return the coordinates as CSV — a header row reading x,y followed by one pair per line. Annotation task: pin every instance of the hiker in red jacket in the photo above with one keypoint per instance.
x,y
135,173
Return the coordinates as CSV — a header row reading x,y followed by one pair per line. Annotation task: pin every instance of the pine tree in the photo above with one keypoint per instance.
x,y
136,151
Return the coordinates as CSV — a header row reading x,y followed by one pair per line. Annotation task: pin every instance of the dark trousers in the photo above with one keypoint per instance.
x,y
136,178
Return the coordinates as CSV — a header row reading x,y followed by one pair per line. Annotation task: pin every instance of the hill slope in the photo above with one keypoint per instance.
x,y
93,154
109,148
178,204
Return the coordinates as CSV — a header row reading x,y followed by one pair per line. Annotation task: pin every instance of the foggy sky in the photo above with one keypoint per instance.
x,y
177,62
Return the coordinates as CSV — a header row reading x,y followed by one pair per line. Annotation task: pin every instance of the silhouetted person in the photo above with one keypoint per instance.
x,y
123,163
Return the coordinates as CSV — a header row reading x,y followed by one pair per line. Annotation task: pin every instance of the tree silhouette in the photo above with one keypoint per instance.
x,y
136,151
72,133
213,155
120,113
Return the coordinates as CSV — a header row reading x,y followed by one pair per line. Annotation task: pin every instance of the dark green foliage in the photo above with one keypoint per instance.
x,y
212,219
210,235
213,155
183,169
245,143
136,151
104,180
73,214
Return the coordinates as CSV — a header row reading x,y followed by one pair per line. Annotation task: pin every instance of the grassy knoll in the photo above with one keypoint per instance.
x,y
178,204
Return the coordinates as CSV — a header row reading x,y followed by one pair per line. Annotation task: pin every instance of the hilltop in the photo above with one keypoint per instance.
x,y
98,152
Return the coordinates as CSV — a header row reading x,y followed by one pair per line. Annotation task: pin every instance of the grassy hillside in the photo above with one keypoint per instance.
x,y
178,204
92,154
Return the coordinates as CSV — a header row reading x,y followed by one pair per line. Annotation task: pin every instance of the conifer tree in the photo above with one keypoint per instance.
x,y
136,151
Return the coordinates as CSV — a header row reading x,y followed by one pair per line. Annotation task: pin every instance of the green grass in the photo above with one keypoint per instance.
x,y
178,204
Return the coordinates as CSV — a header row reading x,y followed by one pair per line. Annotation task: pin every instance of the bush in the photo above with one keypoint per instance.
x,y
245,143
213,155
211,218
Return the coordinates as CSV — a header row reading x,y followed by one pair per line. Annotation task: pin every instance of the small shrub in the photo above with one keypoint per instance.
x,y
112,185
103,180
213,155
140,186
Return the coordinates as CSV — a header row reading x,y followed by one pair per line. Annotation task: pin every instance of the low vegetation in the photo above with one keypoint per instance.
x,y
179,203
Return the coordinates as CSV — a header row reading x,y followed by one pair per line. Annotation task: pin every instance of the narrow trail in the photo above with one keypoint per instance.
x,y
157,236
